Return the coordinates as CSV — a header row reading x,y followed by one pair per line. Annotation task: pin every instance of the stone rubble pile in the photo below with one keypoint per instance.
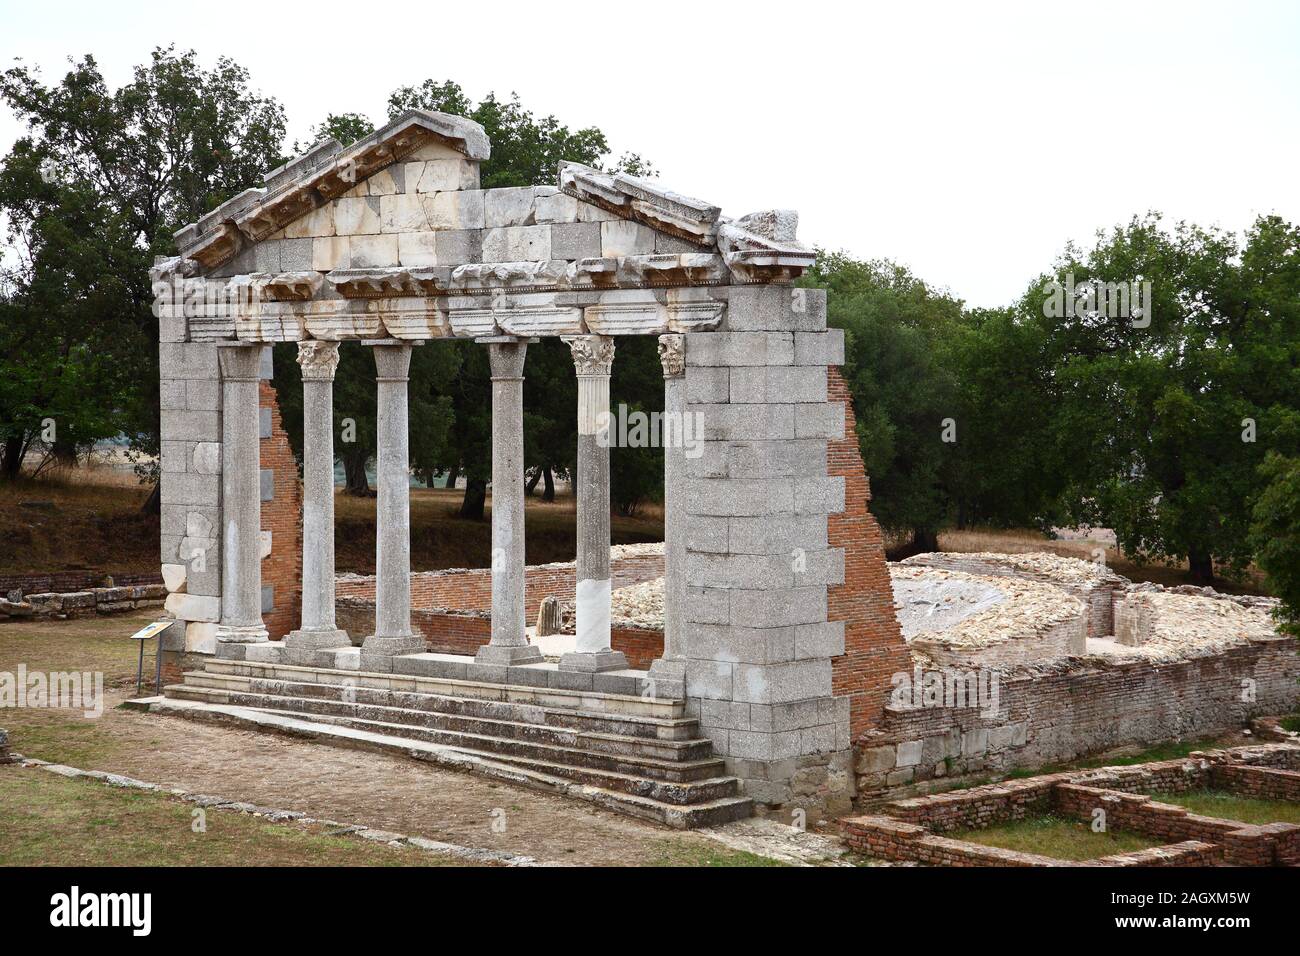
x,y
109,600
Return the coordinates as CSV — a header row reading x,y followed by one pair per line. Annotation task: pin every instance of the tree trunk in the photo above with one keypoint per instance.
x,y
153,504
533,479
12,463
548,489
354,473
1201,566
925,540
453,473
475,498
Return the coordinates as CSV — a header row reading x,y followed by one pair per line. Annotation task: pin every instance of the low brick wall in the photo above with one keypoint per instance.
x,y
890,839
1262,783
62,581
1061,713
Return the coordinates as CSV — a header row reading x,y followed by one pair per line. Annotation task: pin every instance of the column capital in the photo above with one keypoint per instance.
x,y
507,359
672,354
240,361
392,359
593,355
318,359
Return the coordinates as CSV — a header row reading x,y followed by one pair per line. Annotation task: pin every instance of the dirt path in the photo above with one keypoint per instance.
x,y
385,792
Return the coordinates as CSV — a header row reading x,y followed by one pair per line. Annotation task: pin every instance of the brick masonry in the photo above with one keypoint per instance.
x,y
912,829
874,648
282,516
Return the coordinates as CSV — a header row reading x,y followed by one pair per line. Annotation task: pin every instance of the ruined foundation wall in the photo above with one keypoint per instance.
x,y
1089,706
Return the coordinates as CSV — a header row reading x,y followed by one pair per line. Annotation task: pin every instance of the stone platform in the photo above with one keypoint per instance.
x,y
635,753
464,668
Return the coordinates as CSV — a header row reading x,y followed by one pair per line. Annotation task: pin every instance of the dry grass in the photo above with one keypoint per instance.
x,y
85,520
1056,837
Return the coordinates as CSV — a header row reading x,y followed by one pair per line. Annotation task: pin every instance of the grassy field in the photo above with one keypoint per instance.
x,y
1229,806
50,820
1056,837
95,523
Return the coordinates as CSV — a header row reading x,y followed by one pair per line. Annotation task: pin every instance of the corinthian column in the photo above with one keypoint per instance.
x,y
592,357
318,631
393,635
672,666
241,499
509,644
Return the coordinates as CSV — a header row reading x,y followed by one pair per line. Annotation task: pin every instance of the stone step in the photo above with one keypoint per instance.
x,y
669,729
396,722
623,705
566,781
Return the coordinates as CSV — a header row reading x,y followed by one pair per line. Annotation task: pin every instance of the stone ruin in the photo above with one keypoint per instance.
x,y
392,243
769,679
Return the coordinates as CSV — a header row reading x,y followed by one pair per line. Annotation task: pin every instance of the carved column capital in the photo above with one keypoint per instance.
x,y
672,354
318,359
592,354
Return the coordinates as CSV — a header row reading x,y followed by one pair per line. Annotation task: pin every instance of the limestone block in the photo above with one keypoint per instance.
x,y
201,637
435,149
357,217
730,497
741,348
824,420
775,458
708,605
171,394
781,383
193,607
778,607
383,182
744,422
587,212
174,577
621,237
517,244
781,683
707,534
206,458
265,549
752,571
908,753
453,210
875,759
819,348
508,207
318,222
707,386
458,246
776,307
402,213
440,175
819,495
417,248
575,240
203,396
187,489
175,455
188,360
368,252
329,254
709,679
558,208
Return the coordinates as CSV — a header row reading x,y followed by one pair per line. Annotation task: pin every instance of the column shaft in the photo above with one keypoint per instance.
x,y
393,634
509,643
671,667
241,496
318,631
593,356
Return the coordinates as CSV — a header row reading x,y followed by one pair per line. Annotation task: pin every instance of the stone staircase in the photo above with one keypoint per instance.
x,y
638,755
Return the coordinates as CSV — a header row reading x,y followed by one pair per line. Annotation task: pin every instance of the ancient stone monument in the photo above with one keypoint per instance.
x,y
391,242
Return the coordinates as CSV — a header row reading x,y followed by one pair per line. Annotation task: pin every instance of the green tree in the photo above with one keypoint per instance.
x,y
1276,531
123,169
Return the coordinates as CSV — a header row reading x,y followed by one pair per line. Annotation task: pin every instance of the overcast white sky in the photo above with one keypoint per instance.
x,y
967,140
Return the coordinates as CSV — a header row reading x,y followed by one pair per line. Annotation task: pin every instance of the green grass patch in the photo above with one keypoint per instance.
x,y
1230,806
681,853
48,820
1167,751
1057,837
1291,722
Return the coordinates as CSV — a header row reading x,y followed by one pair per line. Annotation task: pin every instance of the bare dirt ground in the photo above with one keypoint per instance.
x,y
355,787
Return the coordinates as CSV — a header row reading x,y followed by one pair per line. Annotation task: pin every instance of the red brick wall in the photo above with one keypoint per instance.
x,y
282,516
874,649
